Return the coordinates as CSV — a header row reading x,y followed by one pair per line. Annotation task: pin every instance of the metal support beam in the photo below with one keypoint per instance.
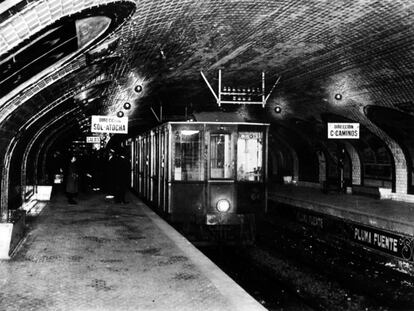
x,y
263,90
220,93
211,89
158,119
273,87
219,89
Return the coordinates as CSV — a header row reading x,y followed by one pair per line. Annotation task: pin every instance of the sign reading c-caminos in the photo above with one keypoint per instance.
x,y
343,130
105,124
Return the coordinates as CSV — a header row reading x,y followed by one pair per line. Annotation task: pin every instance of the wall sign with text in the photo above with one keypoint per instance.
x,y
343,130
390,243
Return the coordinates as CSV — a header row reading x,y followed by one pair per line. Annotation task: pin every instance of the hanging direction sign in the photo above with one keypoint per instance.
x,y
93,139
105,124
343,130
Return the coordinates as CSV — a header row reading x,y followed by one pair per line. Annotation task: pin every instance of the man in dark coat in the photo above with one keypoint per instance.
x,y
72,180
110,173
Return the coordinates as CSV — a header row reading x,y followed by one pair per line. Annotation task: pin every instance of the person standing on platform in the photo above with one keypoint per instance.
x,y
72,180
122,175
110,171
97,170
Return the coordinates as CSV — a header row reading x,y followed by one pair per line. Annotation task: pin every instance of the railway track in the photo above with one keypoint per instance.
x,y
359,278
291,267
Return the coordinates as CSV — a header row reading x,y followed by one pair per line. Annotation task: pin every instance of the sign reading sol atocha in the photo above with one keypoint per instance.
x,y
105,124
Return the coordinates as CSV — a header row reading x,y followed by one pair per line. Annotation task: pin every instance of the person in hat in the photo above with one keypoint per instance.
x,y
111,172
72,180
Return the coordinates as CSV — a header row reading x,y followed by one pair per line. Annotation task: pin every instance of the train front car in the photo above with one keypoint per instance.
x,y
236,179
209,177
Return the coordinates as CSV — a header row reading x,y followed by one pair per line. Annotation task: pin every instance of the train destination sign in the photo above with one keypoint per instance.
x,y
343,130
106,124
93,139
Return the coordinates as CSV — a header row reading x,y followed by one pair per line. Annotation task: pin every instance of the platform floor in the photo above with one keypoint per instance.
x,y
100,255
388,215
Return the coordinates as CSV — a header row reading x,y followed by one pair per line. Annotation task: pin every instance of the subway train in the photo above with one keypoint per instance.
x,y
209,178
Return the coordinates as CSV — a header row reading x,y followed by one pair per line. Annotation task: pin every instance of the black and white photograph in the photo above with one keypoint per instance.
x,y
207,155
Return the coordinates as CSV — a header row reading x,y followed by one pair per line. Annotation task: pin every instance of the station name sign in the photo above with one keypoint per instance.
x,y
105,124
379,240
343,130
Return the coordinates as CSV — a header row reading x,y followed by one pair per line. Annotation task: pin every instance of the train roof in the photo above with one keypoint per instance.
x,y
218,117
216,122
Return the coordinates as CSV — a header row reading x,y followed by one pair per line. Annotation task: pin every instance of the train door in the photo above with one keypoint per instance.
x,y
154,167
251,170
143,163
161,166
165,168
140,166
158,159
131,147
162,172
187,181
137,163
151,147
146,166
168,168
221,169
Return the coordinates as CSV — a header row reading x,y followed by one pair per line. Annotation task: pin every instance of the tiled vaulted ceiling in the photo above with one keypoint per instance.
x,y
363,50
360,49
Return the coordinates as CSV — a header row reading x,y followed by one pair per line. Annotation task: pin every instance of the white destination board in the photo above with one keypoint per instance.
x,y
93,139
105,124
343,130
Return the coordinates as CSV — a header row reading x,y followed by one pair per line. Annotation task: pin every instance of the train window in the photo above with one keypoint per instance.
x,y
250,156
221,156
188,164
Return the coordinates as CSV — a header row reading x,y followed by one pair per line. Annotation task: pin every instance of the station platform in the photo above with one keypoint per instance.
x,y
98,255
393,216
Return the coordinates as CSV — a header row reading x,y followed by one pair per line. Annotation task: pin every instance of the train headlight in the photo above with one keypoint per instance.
x,y
223,205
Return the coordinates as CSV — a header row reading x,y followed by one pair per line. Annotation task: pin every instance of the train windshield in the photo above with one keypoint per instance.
x,y
221,156
250,156
188,164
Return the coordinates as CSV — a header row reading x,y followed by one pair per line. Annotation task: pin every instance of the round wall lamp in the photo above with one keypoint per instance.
x,y
138,88
120,114
278,109
338,96
127,106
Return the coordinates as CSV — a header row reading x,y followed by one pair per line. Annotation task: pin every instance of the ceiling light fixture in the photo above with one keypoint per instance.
x,y
138,88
